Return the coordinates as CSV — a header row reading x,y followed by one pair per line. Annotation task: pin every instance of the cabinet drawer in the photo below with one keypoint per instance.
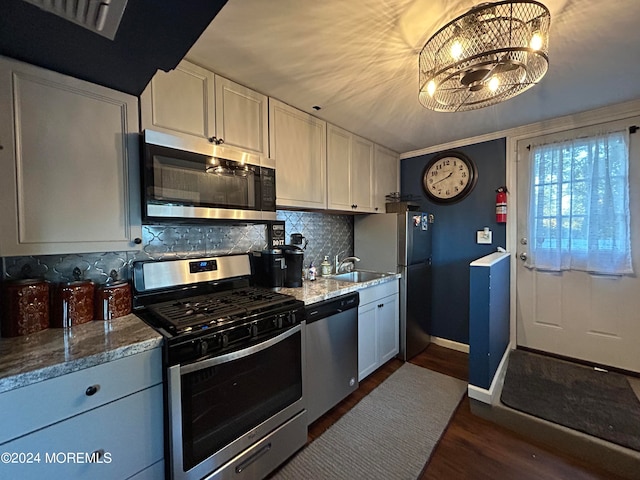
x,y
47,402
129,432
154,472
371,294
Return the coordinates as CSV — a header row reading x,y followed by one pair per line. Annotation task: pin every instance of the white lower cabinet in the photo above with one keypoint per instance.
x,y
378,327
154,472
119,439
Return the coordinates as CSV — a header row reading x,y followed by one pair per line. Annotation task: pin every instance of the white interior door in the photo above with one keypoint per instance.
x,y
576,314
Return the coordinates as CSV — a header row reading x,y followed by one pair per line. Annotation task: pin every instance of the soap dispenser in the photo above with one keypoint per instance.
x,y
325,267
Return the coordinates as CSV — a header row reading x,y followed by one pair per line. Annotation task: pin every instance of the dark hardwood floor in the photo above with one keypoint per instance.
x,y
471,447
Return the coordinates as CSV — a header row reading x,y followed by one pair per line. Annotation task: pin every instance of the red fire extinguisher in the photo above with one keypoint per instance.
x,y
501,205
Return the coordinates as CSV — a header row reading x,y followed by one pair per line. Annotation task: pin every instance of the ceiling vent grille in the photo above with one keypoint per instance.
x,y
100,16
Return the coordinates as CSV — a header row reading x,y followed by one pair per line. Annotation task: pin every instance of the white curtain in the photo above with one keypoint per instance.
x,y
579,205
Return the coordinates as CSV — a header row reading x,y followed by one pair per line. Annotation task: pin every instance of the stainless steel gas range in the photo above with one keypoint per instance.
x,y
234,358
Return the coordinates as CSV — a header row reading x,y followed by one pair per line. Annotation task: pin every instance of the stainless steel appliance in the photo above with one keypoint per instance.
x,y
401,243
189,179
234,358
331,353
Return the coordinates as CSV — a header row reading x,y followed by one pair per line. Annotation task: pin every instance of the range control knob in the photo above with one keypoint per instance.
x,y
201,347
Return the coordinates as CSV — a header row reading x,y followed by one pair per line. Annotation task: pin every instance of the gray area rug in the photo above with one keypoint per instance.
x,y
388,435
601,404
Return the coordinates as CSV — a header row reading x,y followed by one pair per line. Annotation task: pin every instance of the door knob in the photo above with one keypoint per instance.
x,y
523,241
523,256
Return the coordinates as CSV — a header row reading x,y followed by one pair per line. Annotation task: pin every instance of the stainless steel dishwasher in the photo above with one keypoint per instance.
x,y
331,346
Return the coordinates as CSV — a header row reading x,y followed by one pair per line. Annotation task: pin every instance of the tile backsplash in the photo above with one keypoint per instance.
x,y
327,234
162,242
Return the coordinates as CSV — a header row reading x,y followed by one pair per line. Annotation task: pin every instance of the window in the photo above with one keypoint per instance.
x,y
579,205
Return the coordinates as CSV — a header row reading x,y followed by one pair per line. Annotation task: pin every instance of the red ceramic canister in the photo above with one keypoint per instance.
x,y
113,300
72,303
24,307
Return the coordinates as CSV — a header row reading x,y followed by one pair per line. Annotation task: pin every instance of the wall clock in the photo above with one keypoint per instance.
x,y
449,177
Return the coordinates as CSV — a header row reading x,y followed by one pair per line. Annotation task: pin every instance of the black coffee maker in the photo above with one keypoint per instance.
x,y
269,267
294,260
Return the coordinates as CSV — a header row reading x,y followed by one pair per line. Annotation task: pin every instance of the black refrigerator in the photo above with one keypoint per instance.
x,y
401,243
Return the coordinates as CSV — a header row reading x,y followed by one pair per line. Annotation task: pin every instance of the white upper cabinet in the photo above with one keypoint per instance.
x,y
298,146
181,101
338,168
242,118
193,102
69,156
349,171
362,174
386,167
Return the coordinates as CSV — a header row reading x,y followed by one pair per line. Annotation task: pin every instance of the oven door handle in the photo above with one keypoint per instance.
x,y
210,362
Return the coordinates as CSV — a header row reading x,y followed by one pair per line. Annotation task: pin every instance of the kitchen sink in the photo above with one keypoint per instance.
x,y
358,276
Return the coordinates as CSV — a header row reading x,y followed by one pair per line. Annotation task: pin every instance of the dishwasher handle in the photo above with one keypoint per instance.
x,y
333,306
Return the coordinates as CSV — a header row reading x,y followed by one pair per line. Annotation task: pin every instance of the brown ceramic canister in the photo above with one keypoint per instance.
x,y
113,301
24,307
72,303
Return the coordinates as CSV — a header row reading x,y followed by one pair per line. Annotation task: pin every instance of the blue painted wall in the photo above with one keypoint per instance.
x,y
454,233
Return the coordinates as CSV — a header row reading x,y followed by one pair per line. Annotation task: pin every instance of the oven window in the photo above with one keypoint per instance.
x,y
223,402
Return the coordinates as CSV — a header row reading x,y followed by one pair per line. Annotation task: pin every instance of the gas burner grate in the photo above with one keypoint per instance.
x,y
216,309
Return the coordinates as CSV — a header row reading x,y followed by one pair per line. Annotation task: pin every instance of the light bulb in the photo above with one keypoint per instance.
x,y
431,88
456,50
536,41
494,83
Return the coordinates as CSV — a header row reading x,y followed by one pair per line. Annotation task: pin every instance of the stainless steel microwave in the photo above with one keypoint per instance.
x,y
195,180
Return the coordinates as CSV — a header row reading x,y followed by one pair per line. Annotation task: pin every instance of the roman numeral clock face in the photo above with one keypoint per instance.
x,y
449,177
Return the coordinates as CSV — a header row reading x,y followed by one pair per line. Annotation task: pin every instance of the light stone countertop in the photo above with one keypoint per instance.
x,y
324,288
57,351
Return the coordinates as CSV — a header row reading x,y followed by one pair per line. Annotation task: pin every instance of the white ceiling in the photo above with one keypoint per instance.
x,y
358,60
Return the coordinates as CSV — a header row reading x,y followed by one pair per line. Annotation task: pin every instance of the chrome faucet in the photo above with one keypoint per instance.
x,y
336,262
346,261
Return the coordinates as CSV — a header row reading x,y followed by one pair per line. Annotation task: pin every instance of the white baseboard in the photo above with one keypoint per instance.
x,y
443,342
488,396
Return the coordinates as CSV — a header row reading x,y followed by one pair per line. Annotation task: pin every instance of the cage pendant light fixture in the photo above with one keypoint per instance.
x,y
492,53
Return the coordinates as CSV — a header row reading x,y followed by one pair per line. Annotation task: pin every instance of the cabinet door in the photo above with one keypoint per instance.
x,y
298,146
128,433
386,176
362,174
180,101
242,118
367,343
387,320
338,168
67,395
70,163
